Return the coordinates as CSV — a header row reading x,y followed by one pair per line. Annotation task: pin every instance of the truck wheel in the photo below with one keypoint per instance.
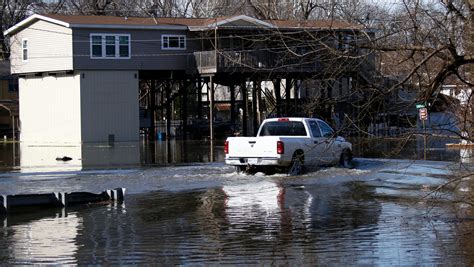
x,y
240,169
346,159
269,170
297,163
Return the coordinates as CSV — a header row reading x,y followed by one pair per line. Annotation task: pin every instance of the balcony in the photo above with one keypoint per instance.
x,y
209,62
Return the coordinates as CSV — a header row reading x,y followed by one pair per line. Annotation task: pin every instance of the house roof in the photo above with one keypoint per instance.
x,y
223,106
193,24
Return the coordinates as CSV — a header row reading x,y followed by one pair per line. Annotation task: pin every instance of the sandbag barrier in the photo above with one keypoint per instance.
x,y
58,199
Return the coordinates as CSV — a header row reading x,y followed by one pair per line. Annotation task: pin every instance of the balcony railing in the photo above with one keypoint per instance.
x,y
253,61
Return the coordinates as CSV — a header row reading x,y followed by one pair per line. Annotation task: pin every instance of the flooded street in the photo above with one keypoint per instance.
x,y
184,206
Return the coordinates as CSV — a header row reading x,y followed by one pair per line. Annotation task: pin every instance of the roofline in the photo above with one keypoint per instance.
x,y
32,18
121,26
240,17
21,25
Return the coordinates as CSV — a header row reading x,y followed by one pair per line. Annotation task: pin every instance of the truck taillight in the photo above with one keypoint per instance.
x,y
280,147
226,147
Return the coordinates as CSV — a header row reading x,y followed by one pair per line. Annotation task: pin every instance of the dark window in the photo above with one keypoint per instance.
x,y
325,129
124,46
173,42
280,128
25,49
96,46
110,46
315,129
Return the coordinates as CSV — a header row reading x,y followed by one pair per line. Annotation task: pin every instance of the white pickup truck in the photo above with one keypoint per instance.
x,y
288,144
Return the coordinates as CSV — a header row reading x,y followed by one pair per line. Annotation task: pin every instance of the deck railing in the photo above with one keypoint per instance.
x,y
254,61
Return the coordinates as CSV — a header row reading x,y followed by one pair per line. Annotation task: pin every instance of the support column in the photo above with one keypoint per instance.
x,y
296,95
184,108
254,108
259,103
168,108
244,107
13,129
277,86
199,96
211,109
232,103
152,135
288,96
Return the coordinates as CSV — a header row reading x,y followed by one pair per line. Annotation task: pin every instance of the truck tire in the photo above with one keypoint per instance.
x,y
297,163
346,159
240,169
269,170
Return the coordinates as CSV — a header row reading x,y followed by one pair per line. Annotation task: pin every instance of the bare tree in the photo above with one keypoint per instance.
x,y
12,12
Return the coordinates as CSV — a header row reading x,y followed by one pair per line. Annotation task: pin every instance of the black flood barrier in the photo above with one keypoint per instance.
x,y
58,199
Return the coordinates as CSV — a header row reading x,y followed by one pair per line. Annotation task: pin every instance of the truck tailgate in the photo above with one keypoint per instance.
x,y
254,147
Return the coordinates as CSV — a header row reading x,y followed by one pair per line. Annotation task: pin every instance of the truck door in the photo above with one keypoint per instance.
x,y
329,140
315,154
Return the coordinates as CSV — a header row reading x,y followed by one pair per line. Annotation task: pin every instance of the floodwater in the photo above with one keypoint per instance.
x,y
183,206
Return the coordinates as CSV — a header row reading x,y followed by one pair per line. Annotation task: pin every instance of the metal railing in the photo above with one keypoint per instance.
x,y
252,61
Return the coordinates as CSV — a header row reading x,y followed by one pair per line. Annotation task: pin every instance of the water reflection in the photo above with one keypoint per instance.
x,y
47,237
265,220
255,205
405,148
43,158
182,151
9,156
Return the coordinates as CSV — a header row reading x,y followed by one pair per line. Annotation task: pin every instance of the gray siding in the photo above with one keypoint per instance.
x,y
146,52
109,105
49,48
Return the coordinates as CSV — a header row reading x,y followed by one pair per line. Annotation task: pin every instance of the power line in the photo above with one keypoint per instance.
x,y
221,51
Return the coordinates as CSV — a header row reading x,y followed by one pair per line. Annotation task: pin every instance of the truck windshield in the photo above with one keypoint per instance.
x,y
285,128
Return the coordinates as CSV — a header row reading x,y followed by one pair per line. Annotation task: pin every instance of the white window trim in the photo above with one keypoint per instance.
x,y
163,36
117,45
23,50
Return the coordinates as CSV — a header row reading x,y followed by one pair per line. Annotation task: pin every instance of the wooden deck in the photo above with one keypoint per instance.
x,y
210,62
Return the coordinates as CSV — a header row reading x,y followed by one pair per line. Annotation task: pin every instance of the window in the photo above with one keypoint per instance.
x,y
110,46
96,46
24,46
288,128
124,46
345,41
325,129
113,46
173,42
314,129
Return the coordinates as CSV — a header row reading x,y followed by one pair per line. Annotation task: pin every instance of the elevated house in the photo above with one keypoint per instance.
x,y
91,78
